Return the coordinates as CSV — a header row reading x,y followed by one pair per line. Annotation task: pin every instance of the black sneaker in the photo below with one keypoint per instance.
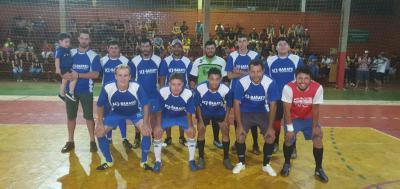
x,y
93,146
70,96
68,147
218,144
127,144
146,166
61,97
294,154
109,141
136,143
285,170
320,174
104,166
276,148
168,141
256,150
183,141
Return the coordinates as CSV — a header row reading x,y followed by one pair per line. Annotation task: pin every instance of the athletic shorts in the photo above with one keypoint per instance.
x,y
113,119
86,100
379,76
363,75
154,105
251,119
167,122
303,125
65,70
279,110
213,119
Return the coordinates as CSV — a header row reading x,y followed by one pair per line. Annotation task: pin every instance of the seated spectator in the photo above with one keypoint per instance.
x,y
219,30
158,47
282,31
17,69
176,30
36,68
47,50
22,49
199,30
186,44
253,35
184,28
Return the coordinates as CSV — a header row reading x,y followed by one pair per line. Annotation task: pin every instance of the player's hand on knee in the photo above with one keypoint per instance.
x,y
100,130
270,135
289,137
146,130
317,133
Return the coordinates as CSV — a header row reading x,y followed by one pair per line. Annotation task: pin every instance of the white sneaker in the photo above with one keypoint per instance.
x,y
268,169
238,167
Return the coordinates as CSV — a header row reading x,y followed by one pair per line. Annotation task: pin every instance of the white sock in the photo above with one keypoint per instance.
x,y
192,148
157,149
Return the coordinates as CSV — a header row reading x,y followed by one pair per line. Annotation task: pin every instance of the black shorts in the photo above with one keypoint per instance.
x,y
279,110
213,119
379,76
251,119
65,70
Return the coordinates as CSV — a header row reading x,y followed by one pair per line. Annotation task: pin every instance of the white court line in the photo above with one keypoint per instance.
x,y
393,137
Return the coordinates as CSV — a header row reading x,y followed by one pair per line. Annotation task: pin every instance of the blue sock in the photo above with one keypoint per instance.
x,y
122,128
146,142
105,149
109,135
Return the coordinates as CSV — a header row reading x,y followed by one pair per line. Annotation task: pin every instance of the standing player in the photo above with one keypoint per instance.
x,y
199,74
146,73
301,99
255,105
237,66
108,64
175,63
281,68
177,107
213,103
86,66
128,101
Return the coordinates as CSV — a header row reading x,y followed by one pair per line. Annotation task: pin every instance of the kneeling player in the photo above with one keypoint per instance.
x,y
213,102
302,98
128,101
177,107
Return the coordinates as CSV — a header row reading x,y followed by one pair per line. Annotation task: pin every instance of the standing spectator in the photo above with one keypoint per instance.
x,y
199,30
362,70
176,30
253,35
219,30
8,49
348,72
380,71
36,68
17,69
282,31
72,29
184,28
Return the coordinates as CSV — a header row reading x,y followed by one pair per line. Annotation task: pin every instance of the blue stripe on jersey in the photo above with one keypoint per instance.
x,y
176,106
108,67
282,70
212,103
240,62
126,103
255,98
170,65
85,62
145,72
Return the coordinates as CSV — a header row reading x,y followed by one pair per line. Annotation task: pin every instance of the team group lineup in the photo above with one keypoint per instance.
x,y
155,95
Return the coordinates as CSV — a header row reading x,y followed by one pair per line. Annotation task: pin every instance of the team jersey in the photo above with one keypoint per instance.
x,y
282,70
212,103
240,62
145,72
203,64
64,54
175,106
127,103
84,62
302,101
255,97
171,65
108,67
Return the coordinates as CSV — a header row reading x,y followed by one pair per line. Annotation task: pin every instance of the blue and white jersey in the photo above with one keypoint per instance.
x,y
255,97
240,62
145,72
85,62
171,65
212,103
282,70
127,103
64,54
108,67
176,106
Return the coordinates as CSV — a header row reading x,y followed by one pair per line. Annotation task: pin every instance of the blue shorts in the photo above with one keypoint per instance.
x,y
113,119
154,105
174,121
303,125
